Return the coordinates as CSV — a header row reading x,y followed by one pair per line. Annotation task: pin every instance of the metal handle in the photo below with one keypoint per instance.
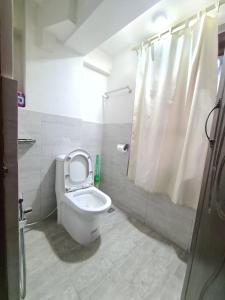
x,y
217,106
21,213
28,210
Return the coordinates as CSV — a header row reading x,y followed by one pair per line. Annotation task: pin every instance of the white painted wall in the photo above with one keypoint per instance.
x,y
57,82
65,87
119,107
54,86
93,87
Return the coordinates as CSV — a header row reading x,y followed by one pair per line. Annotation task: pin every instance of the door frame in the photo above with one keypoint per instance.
x,y
3,251
9,237
9,233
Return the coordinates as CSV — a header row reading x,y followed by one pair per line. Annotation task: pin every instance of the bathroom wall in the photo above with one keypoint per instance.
x,y
56,81
172,221
54,135
65,87
63,112
61,115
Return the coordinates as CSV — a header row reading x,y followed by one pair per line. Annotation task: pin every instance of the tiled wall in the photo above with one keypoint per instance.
x,y
54,135
172,221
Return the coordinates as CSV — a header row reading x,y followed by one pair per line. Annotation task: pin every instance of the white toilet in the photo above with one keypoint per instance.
x,y
79,203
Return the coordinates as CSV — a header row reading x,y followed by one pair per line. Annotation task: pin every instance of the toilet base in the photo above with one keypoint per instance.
x,y
83,228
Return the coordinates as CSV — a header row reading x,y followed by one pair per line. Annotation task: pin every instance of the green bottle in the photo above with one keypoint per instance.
x,y
97,173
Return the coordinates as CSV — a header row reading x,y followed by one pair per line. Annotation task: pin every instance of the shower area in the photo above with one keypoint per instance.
x,y
99,102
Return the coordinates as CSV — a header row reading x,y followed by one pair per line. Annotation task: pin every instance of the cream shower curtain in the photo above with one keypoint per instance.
x,y
175,90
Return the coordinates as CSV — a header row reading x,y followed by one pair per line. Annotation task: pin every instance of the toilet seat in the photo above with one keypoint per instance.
x,y
79,176
88,201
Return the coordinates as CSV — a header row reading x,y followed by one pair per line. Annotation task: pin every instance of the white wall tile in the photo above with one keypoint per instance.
x,y
172,221
54,135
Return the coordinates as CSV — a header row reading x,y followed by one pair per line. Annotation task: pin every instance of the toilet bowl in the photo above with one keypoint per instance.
x,y
79,203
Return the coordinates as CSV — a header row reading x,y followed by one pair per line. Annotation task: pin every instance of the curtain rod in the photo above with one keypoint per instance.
x,y
180,24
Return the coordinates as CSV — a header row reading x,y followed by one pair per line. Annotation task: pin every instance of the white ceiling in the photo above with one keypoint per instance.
x,y
109,17
142,27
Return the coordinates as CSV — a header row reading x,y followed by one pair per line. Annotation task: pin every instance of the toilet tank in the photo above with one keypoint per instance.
x,y
59,178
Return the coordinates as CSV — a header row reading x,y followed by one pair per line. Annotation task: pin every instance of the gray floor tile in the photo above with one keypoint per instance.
x,y
128,262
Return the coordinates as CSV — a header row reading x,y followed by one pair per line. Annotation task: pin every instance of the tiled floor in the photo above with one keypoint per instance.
x,y
128,262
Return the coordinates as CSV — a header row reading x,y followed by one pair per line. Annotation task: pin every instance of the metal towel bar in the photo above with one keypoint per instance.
x,y
106,94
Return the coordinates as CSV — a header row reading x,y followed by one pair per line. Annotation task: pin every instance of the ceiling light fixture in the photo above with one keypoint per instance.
x,y
160,22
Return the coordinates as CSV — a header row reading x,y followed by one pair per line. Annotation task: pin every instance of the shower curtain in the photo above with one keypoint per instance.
x,y
175,90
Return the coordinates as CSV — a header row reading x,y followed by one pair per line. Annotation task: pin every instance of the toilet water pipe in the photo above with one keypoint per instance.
x,y
42,219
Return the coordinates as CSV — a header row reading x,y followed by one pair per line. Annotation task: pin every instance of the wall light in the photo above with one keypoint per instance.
x,y
160,22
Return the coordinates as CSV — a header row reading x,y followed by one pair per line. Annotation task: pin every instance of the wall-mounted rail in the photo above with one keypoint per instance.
x,y
26,141
107,94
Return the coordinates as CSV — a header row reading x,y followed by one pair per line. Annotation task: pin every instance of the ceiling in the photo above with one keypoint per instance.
x,y
109,17
83,25
143,26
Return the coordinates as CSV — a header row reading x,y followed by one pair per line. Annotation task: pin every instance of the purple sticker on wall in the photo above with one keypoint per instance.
x,y
20,99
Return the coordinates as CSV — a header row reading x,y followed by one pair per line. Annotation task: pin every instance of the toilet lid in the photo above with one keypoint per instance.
x,y
78,173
